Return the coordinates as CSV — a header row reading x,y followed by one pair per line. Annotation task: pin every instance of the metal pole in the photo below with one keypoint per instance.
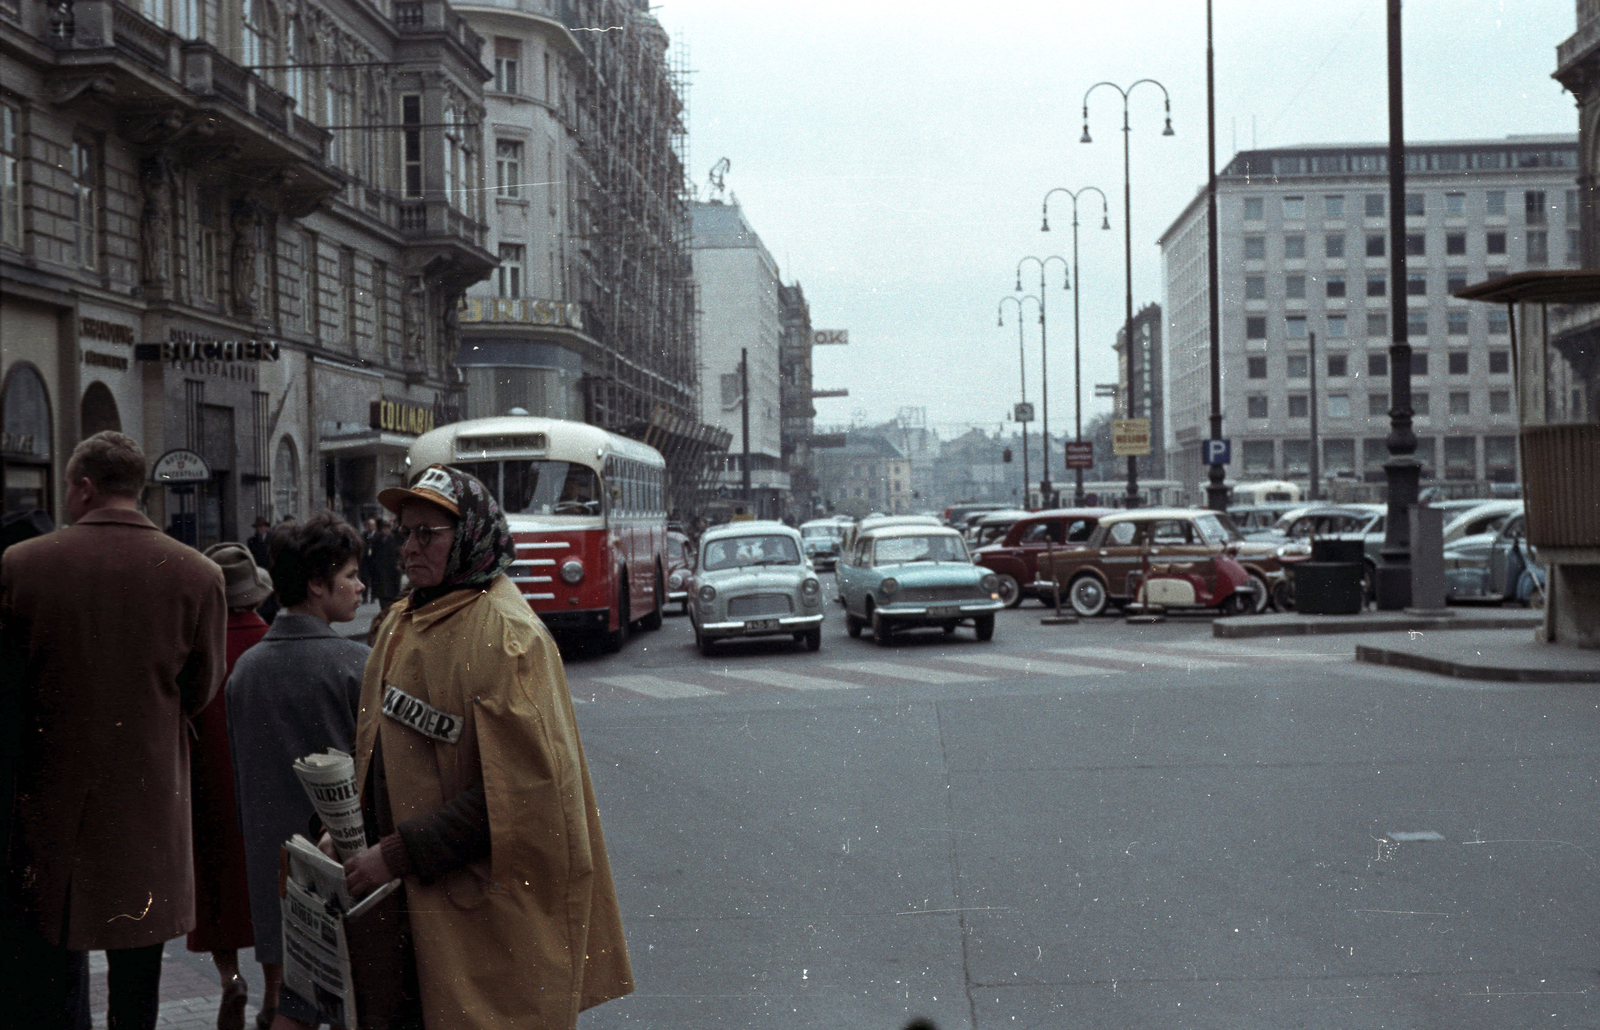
x,y
1077,362
1127,271
1311,402
1216,476
1402,470
1044,399
744,416
1022,361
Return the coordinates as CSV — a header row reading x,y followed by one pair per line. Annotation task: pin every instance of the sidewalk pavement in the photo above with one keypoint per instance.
x,y
1502,644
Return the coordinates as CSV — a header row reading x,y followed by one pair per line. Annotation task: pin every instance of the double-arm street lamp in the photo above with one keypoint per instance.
x,y
1077,275
1046,496
1022,361
1132,346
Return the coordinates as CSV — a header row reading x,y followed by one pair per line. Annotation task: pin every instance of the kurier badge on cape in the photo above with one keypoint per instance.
x,y
420,716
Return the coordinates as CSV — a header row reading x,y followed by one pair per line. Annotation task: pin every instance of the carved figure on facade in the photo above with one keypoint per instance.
x,y
155,229
245,221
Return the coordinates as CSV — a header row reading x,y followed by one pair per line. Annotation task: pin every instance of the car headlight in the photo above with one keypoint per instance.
x,y
889,586
572,571
991,584
708,593
812,590
675,581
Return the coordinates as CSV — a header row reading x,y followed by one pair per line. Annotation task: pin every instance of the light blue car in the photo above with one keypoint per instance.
x,y
894,578
751,579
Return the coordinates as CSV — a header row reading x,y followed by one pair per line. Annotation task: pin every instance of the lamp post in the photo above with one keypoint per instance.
x,y
1046,495
1127,253
1077,350
1022,363
1216,475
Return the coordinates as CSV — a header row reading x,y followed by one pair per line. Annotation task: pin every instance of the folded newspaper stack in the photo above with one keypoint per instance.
x,y
316,899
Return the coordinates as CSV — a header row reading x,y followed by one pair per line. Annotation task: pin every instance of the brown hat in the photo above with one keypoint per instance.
x,y
247,585
434,486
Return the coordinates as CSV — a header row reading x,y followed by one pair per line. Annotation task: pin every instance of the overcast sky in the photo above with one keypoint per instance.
x,y
892,155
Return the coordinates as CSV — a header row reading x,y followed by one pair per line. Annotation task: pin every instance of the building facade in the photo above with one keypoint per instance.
x,y
870,474
240,231
1147,364
1303,252
795,391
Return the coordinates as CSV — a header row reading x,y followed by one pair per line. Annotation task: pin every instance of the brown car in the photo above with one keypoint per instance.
x,y
1015,558
1097,574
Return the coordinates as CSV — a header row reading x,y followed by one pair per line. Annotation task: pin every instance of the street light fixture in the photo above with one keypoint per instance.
x,y
1077,274
1133,366
1022,362
1046,495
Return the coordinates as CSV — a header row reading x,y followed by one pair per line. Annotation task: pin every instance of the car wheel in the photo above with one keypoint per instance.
x,y
1283,594
703,642
1263,592
1087,596
881,631
813,639
983,625
852,625
1235,604
948,628
1369,583
612,640
1010,590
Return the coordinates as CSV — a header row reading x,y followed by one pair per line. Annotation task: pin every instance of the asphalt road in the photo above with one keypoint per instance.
x,y
1099,825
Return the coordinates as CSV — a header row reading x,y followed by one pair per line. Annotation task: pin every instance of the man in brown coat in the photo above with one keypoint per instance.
x,y
121,635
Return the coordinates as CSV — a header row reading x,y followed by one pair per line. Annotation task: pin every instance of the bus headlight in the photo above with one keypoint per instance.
x,y
572,571
889,586
708,593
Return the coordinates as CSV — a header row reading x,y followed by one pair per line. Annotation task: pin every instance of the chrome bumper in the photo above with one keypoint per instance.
x,y
937,611
786,624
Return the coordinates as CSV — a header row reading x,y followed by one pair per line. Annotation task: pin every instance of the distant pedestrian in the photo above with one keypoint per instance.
x,y
385,551
221,892
369,531
121,633
260,544
292,694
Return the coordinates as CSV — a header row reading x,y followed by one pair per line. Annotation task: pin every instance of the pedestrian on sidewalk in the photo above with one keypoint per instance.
x,y
385,562
369,532
221,891
512,917
121,633
293,694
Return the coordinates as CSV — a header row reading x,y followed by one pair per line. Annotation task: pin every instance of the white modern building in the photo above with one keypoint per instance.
x,y
1304,252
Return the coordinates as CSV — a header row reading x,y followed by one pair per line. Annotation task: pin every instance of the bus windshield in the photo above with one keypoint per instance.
x,y
540,487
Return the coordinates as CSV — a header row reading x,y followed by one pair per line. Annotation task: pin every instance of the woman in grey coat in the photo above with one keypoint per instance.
x,y
294,693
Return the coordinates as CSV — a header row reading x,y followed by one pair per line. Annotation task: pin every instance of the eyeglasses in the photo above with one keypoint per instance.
x,y
425,534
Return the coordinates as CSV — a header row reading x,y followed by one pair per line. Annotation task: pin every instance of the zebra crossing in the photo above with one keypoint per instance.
x,y
946,667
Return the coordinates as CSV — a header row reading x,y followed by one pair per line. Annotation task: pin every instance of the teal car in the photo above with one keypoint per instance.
x,y
899,577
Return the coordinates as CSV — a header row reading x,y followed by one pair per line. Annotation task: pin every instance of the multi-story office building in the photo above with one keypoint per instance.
x,y
239,230
1304,251
799,413
1147,360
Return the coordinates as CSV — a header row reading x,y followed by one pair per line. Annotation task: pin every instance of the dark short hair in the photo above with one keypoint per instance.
x,y
114,463
308,551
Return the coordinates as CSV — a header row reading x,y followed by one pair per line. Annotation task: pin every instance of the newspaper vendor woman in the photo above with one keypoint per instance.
x,y
476,785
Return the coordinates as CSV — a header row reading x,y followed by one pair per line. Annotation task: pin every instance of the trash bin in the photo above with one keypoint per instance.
x,y
1330,583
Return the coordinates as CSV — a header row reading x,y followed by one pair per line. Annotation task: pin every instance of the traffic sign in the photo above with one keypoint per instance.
x,y
1217,452
1080,454
1130,437
1022,412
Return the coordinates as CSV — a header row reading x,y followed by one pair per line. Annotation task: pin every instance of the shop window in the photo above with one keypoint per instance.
x,y
1258,455
25,441
1460,457
285,480
98,411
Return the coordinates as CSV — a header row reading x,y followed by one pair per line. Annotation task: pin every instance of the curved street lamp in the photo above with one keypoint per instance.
x,y
1077,274
1046,496
1127,256
1022,361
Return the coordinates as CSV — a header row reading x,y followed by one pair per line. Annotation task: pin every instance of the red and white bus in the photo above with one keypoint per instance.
x,y
587,509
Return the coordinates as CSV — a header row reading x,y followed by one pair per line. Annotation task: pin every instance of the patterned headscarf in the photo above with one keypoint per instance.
x,y
482,548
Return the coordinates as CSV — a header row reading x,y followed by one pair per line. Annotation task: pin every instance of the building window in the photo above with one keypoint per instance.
x,y
1460,402
1338,455
1456,323
1455,243
1375,205
1533,207
1378,365
1377,323
1255,287
1499,322
1499,362
1255,248
1298,405
1299,366
1419,403
510,270
411,114
1375,245
1294,287
1424,454
1460,457
1573,246
1500,457
1499,402
1255,327
1416,244
1377,405
1335,285
1494,203
1294,327
1252,209
1256,366
1417,325
1455,205
1336,327
1333,207
507,64
1538,247
1258,455
206,241
1296,456
1455,279
1256,405
1294,209
1419,363
1333,245
1338,405
1416,284
1294,247
508,167
10,176
1338,366
1377,284
1415,207
1494,242
86,201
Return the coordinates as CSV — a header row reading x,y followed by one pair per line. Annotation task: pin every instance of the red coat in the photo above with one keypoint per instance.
x,y
121,633
221,893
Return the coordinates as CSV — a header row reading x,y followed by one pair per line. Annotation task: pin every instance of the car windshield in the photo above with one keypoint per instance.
x,y
1217,530
740,551
897,549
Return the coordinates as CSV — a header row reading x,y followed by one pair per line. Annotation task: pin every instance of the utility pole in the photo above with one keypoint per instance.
x,y
1311,402
744,416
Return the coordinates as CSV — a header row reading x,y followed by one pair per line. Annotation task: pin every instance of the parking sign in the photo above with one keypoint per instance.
x,y
1217,452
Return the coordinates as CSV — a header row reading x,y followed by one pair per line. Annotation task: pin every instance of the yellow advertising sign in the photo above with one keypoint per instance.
x,y
1130,437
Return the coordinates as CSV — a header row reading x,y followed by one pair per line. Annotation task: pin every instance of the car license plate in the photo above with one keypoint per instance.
x,y
752,625
948,611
